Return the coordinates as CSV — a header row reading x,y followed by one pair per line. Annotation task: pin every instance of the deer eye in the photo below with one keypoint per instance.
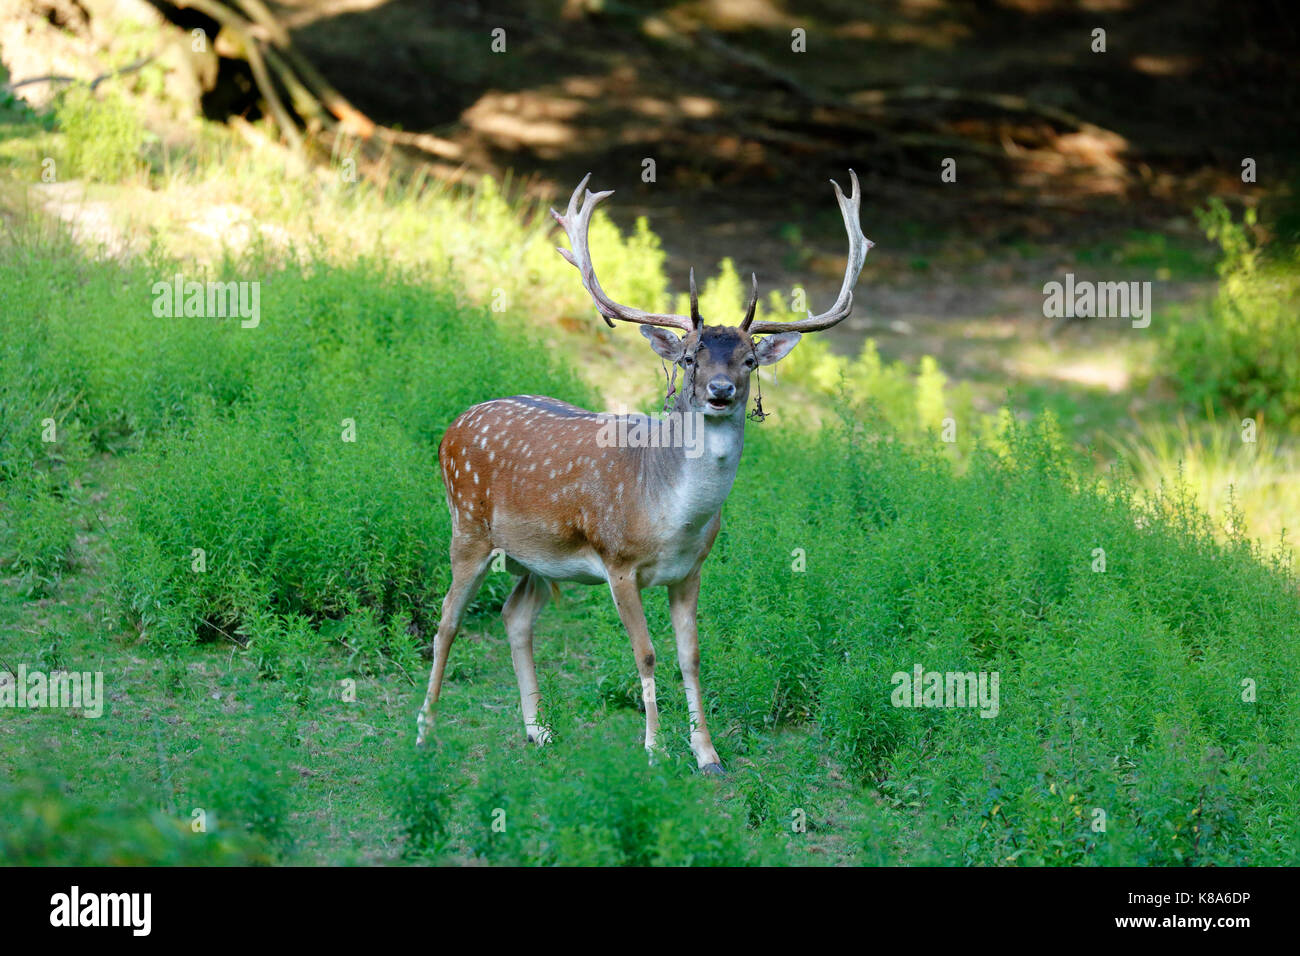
x,y
749,361
688,360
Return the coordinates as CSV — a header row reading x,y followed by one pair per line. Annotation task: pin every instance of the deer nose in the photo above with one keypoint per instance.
x,y
721,388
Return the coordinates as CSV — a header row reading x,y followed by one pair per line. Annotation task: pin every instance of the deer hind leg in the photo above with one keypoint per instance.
x,y
683,599
470,558
627,598
520,614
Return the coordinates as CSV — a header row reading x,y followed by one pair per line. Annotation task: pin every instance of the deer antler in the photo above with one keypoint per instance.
x,y
575,221
858,246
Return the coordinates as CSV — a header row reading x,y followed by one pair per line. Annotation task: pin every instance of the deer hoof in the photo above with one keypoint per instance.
x,y
713,770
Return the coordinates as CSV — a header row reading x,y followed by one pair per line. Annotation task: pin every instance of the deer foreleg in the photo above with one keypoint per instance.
x,y
683,599
627,598
469,564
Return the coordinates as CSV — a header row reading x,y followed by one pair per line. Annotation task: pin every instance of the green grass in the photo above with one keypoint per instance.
x,y
274,692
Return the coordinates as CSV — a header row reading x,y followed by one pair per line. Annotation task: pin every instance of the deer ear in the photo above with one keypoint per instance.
x,y
773,348
667,345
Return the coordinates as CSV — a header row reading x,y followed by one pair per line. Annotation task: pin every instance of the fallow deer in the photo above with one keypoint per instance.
x,y
548,484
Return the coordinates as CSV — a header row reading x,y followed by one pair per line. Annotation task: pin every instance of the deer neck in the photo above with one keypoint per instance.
x,y
699,472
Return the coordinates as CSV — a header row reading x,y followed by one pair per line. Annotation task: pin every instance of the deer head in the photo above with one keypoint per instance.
x,y
716,360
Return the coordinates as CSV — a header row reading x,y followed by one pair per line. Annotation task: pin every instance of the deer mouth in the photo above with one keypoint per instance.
x,y
719,404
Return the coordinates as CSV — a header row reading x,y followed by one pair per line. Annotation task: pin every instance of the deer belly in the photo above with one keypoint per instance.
x,y
581,565
576,568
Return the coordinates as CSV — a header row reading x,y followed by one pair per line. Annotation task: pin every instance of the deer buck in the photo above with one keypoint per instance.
x,y
551,486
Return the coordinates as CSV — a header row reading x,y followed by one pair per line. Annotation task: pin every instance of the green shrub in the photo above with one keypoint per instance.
x,y
36,533
601,805
46,825
425,787
241,787
102,133
1242,357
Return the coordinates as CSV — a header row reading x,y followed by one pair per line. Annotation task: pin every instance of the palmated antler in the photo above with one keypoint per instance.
x,y
575,222
858,246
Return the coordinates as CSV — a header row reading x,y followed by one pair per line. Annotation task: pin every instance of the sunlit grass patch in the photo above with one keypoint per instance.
x,y
1244,473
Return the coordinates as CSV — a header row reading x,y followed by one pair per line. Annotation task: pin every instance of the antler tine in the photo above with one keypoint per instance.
x,y
695,302
858,246
753,303
575,222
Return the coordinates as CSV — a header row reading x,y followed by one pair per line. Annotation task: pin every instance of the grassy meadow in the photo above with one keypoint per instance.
x,y
242,528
